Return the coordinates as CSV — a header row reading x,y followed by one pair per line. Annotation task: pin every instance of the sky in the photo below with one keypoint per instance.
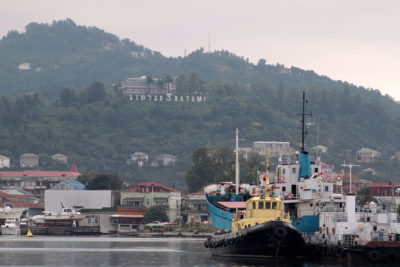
x,y
357,41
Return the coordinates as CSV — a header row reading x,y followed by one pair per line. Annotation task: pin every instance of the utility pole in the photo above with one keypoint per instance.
x,y
350,167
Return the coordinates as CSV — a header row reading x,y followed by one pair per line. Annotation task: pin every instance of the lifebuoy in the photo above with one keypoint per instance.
x,y
374,255
281,179
338,178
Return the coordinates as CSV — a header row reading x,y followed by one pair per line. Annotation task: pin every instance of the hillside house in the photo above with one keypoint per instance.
x,y
367,155
29,160
166,159
138,158
4,162
24,66
61,158
271,148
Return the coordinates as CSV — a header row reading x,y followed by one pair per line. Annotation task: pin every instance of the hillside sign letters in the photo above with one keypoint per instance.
x,y
165,98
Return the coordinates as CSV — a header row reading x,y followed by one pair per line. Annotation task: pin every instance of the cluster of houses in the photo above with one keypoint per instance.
x,y
32,192
141,159
30,160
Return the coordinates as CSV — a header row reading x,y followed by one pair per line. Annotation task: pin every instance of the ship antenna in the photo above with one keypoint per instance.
x,y
303,116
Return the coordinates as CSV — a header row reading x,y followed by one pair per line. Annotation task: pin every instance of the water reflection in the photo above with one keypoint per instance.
x,y
117,251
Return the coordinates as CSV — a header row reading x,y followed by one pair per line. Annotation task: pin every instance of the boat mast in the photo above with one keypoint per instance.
x,y
303,116
302,123
350,167
237,162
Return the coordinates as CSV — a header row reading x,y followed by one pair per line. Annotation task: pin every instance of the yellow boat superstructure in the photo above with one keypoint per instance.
x,y
261,209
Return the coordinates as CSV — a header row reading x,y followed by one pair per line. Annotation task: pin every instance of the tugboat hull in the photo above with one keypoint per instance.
x,y
274,238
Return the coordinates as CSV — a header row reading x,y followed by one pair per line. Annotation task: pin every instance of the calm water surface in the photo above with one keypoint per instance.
x,y
123,251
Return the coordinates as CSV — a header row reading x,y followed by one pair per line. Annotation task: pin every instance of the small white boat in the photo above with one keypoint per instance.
x,y
66,215
10,227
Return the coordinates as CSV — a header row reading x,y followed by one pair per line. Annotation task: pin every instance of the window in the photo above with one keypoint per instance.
x,y
267,205
254,205
274,205
283,171
260,204
326,188
293,170
283,188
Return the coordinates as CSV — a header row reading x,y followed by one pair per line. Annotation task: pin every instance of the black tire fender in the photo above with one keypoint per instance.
x,y
374,255
280,232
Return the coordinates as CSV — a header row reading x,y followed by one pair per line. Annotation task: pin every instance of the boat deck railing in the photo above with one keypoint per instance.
x,y
348,239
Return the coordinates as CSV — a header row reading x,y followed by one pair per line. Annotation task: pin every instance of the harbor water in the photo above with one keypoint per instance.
x,y
124,251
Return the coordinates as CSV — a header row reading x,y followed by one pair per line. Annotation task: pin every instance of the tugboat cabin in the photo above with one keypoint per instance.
x,y
259,210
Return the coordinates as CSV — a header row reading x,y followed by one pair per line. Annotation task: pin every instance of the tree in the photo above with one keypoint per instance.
x,y
155,213
94,181
223,162
202,172
67,97
95,92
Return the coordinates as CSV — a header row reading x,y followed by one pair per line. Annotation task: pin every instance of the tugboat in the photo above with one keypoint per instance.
x,y
303,187
262,229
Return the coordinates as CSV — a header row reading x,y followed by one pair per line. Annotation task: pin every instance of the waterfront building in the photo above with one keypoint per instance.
x,y
68,185
35,182
80,199
128,220
14,205
194,207
148,194
344,187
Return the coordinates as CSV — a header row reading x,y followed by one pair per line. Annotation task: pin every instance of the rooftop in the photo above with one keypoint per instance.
x,y
39,174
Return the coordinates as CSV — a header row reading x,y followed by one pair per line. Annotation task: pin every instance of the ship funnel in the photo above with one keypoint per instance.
x,y
351,207
305,166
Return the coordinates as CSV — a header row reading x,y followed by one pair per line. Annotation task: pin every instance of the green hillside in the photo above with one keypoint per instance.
x,y
99,130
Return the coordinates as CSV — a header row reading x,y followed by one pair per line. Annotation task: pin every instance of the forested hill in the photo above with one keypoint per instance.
x,y
97,129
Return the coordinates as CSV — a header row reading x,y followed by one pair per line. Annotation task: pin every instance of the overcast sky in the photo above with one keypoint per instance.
x,y
351,40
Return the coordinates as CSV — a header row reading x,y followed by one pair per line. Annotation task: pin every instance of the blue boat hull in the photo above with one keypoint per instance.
x,y
222,219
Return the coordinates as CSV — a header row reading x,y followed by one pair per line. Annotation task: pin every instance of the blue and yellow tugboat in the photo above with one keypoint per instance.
x,y
262,229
